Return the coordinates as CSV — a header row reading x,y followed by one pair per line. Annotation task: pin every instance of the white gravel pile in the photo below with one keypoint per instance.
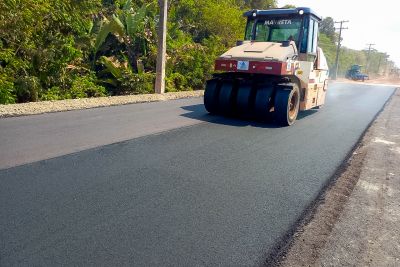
x,y
22,109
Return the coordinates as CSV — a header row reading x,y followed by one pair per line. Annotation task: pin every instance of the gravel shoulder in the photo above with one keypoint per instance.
x,y
355,223
32,108
379,81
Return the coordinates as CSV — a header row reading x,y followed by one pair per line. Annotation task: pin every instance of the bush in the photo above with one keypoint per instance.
x,y
176,82
27,89
85,87
135,83
6,91
191,64
54,93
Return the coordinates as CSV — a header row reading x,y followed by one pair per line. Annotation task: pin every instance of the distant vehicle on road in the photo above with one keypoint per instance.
x,y
355,74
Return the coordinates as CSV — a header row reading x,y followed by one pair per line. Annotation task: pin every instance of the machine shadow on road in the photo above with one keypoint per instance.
x,y
198,112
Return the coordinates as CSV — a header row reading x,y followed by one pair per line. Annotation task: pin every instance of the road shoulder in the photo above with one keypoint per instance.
x,y
33,108
355,222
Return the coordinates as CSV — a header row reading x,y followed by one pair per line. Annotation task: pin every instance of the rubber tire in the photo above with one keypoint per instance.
x,y
211,96
243,99
262,103
225,98
282,99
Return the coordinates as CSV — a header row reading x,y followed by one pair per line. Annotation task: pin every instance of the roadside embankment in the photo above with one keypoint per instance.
x,y
355,223
32,108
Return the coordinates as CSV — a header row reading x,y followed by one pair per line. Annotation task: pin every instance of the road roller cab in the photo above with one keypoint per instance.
x,y
277,69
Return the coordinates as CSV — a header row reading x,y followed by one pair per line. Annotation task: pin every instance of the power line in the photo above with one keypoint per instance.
x,y
338,46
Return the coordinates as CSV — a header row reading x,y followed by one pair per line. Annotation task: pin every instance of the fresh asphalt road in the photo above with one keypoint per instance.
x,y
33,138
215,192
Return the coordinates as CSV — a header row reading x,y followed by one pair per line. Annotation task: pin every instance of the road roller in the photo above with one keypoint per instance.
x,y
277,71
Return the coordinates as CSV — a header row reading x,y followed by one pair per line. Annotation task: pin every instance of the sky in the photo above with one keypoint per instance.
x,y
376,22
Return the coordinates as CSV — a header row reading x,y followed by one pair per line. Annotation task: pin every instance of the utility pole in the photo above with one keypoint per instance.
x,y
381,56
379,64
338,47
368,56
385,69
162,48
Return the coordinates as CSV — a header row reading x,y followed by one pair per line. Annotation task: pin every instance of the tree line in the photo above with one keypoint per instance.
x,y
60,49
374,62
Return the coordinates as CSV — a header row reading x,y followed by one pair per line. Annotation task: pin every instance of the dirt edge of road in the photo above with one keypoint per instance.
x,y
378,81
303,245
33,108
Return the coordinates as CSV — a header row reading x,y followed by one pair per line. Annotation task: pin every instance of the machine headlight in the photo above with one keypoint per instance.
x,y
301,11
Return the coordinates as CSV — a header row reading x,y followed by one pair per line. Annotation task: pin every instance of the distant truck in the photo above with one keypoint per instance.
x,y
355,74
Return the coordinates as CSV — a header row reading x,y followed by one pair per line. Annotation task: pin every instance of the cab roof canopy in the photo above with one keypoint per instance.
x,y
282,12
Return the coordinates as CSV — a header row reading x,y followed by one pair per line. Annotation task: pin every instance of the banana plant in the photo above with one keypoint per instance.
x,y
128,26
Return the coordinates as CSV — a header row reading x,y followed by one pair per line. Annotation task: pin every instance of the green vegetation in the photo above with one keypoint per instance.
x,y
328,38
58,49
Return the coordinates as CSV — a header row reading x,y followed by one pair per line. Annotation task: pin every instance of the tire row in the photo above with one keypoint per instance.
x,y
235,97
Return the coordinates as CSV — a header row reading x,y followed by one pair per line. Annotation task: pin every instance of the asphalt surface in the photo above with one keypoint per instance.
x,y
221,192
33,138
